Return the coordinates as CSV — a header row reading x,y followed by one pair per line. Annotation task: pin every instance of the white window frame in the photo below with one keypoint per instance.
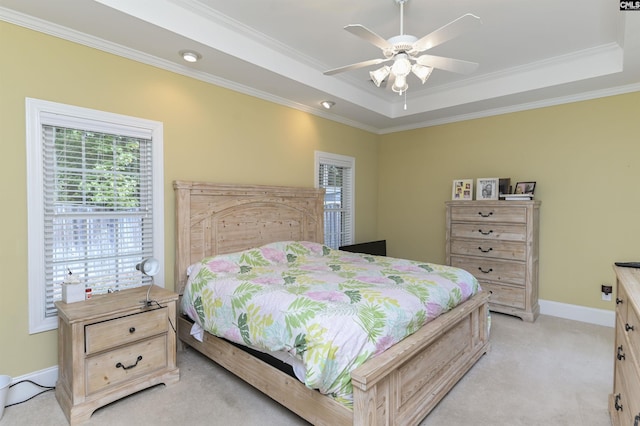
x,y
39,113
346,162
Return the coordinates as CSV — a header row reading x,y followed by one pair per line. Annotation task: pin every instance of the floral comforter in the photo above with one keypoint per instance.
x,y
331,309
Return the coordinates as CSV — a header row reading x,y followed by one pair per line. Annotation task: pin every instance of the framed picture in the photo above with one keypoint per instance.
x,y
462,189
504,186
487,188
525,188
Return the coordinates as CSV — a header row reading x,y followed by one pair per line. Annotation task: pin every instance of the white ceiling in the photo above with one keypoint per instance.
x,y
531,54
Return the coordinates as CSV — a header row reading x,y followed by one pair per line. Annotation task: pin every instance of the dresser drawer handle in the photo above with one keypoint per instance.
x,y
485,214
628,327
132,330
636,422
619,301
620,355
483,271
618,406
485,233
118,365
485,251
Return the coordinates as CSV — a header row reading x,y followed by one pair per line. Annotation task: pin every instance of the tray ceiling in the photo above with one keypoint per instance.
x,y
531,54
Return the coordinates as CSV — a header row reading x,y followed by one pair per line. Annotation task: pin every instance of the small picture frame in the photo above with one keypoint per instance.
x,y
504,186
462,189
525,188
487,188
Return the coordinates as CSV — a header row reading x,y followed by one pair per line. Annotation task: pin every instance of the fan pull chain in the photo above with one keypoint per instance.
x,y
405,100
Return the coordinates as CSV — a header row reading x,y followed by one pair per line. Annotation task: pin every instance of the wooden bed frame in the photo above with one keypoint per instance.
x,y
398,387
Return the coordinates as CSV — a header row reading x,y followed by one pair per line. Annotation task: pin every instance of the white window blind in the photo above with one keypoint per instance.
x,y
95,202
98,199
335,174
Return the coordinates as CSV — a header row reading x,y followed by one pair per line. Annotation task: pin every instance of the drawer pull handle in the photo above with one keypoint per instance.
x,y
619,301
118,365
485,215
485,233
618,406
636,422
620,355
483,271
132,330
485,251
628,327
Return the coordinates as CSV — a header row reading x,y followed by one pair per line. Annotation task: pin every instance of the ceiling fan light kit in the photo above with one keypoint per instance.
x,y
404,49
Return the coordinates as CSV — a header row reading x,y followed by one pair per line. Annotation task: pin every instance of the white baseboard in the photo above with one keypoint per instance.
x,y
578,313
26,390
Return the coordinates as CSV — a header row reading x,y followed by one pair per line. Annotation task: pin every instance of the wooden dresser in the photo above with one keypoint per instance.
x,y
624,403
113,345
497,241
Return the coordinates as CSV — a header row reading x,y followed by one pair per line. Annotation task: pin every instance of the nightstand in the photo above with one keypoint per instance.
x,y
113,345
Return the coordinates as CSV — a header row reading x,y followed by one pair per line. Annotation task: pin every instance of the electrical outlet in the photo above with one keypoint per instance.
x,y
606,292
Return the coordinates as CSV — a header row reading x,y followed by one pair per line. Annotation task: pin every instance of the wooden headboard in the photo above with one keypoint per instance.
x,y
215,219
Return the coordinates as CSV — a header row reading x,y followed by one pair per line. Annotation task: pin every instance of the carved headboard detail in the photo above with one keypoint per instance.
x,y
215,219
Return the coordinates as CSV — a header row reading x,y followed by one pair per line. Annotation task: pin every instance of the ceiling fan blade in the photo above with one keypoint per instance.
x,y
453,29
356,66
447,64
368,35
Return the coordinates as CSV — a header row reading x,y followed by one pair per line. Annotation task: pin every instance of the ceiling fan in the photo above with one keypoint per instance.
x,y
404,50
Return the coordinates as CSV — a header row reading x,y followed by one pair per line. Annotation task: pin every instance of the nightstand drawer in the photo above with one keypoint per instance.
x,y
125,363
120,331
489,231
489,213
497,249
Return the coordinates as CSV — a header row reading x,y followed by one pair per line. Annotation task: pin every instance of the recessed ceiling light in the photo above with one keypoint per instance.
x,y
190,56
327,104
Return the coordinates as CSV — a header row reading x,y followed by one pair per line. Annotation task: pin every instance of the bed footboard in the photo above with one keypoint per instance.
x,y
399,387
403,384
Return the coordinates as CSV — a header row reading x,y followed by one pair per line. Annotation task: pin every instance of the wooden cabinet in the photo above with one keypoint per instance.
x,y
113,345
497,241
624,402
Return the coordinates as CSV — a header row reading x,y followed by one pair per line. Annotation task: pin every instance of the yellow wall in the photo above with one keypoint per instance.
x,y
585,158
210,134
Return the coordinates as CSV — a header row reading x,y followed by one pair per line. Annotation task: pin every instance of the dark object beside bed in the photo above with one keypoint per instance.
x,y
376,248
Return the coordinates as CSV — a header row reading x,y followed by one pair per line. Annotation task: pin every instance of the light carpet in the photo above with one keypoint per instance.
x,y
553,372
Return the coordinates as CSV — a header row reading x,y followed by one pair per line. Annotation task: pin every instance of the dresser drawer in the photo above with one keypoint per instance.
x,y
628,381
498,249
489,213
489,231
622,302
512,296
492,269
632,329
125,363
107,334
620,404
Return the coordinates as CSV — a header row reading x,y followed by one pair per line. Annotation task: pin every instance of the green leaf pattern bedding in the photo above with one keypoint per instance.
x,y
331,309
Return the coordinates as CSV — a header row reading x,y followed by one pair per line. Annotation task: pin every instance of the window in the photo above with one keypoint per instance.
x,y
95,202
335,173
